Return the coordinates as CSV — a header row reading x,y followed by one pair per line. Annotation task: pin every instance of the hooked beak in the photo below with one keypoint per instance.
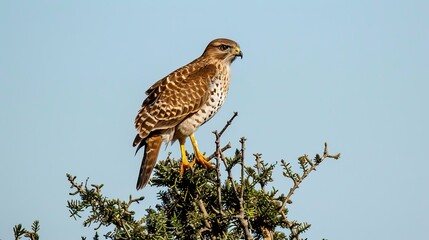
x,y
238,52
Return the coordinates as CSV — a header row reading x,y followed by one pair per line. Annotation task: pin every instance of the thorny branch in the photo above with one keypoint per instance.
x,y
238,193
297,180
101,207
241,216
218,155
202,208
219,182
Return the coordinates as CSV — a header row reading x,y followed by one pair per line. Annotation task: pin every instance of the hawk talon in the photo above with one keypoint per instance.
x,y
185,164
201,159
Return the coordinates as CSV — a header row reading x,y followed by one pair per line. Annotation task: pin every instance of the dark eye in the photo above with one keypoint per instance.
x,y
223,47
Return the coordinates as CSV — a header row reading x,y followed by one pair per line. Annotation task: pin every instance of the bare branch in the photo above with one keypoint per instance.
x,y
203,210
241,215
218,153
228,146
243,147
228,123
218,156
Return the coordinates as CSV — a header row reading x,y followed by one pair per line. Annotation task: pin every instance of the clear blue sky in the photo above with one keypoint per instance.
x,y
351,73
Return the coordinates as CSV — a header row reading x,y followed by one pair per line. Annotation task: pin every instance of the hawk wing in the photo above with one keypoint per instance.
x,y
173,98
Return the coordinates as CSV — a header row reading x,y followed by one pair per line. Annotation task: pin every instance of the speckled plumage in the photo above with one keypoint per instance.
x,y
182,101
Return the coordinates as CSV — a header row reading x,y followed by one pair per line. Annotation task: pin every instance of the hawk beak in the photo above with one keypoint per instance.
x,y
238,52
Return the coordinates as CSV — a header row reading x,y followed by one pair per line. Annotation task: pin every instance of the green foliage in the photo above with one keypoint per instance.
x,y
104,211
19,231
202,204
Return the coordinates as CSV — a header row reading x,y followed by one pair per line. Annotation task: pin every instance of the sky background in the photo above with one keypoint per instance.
x,y
350,73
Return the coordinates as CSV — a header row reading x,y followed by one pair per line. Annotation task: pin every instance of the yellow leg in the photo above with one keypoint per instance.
x,y
185,164
199,157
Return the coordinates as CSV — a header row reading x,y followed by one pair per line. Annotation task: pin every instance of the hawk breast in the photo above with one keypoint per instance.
x,y
218,87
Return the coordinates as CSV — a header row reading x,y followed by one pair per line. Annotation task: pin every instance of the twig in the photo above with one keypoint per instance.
x,y
258,168
228,123
298,181
243,147
227,146
219,182
238,193
131,200
231,179
241,215
218,155
79,188
207,223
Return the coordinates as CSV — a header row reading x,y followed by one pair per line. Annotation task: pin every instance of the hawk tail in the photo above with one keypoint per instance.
x,y
151,150
138,140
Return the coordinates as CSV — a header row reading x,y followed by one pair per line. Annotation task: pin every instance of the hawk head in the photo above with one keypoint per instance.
x,y
223,49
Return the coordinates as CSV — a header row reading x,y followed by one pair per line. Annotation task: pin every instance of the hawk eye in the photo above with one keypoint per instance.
x,y
223,47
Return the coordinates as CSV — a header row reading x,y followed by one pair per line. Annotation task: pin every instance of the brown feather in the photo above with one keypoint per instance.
x,y
168,101
151,150
136,141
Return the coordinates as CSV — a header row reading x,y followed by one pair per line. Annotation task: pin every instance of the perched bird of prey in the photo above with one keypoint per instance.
x,y
182,101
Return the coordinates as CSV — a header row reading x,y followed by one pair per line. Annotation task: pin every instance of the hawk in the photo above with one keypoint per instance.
x,y
182,101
